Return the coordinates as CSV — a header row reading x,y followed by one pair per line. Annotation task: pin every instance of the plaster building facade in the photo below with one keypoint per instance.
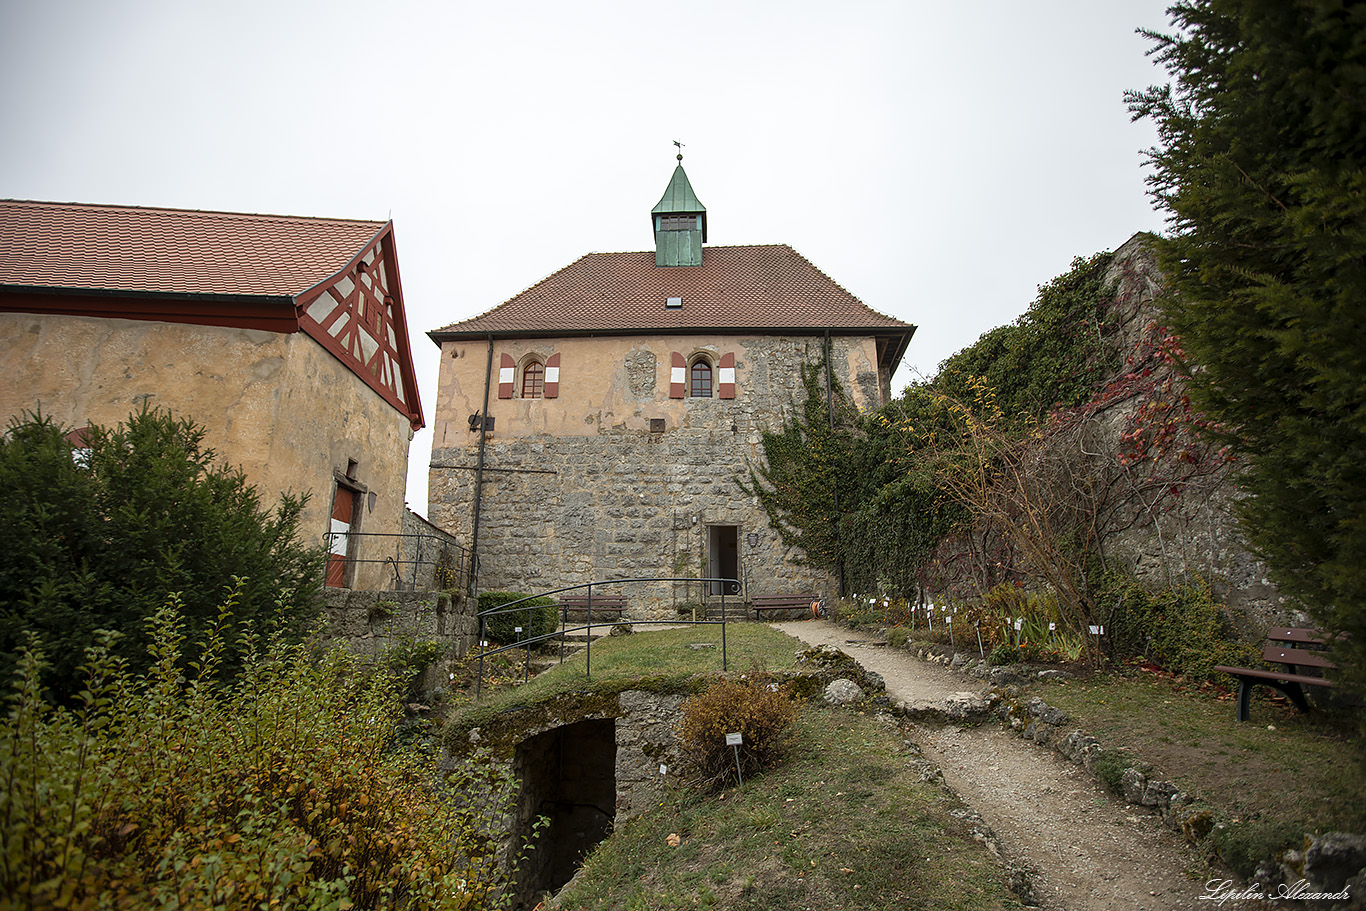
x,y
593,427
284,337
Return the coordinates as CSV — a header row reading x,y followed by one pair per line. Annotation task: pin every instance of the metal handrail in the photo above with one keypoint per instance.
x,y
511,606
443,548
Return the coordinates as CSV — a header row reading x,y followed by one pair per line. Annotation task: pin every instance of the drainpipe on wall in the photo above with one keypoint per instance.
x,y
479,471
830,409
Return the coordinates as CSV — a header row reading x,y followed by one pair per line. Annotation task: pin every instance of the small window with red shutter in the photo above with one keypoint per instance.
x,y
552,376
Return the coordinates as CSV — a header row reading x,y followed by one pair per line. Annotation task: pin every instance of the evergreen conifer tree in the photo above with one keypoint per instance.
x,y
1261,165
100,538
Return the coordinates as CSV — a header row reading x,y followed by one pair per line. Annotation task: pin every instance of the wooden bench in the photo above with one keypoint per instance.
x,y
761,603
1292,648
607,607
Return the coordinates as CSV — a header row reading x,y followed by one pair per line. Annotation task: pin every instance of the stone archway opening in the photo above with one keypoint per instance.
x,y
568,776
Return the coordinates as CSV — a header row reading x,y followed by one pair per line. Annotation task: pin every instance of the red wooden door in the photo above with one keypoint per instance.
x,y
343,505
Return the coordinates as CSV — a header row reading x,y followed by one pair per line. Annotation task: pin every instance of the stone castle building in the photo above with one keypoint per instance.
x,y
284,337
593,427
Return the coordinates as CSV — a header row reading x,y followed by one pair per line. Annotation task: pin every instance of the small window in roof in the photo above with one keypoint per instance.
x,y
673,302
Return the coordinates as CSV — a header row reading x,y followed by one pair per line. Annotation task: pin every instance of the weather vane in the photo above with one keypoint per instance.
x,y
680,149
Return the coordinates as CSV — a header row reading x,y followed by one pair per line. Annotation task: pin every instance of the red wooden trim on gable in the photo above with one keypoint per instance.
x,y
551,389
269,315
678,375
726,369
507,376
399,318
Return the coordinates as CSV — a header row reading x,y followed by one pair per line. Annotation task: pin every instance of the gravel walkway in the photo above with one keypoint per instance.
x,y
1090,851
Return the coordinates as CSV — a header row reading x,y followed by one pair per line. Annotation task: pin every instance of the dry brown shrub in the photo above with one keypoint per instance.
x,y
759,709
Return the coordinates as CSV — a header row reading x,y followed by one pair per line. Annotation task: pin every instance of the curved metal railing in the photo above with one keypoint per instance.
x,y
564,630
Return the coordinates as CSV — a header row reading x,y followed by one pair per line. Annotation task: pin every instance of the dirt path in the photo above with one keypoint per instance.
x,y
1091,852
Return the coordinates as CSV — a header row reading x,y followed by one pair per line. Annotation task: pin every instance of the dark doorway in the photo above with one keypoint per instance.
x,y
723,557
568,776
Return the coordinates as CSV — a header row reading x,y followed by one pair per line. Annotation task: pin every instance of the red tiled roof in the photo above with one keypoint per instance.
x,y
176,251
769,287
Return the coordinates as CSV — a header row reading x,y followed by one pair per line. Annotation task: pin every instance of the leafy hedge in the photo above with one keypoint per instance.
x,y
285,789
1185,628
540,618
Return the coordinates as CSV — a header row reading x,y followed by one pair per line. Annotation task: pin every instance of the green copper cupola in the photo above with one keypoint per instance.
x,y
680,223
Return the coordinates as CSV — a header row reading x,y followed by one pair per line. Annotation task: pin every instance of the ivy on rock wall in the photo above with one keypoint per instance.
x,y
858,495
1054,356
810,470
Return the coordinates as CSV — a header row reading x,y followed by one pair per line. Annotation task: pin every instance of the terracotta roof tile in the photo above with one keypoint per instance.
x,y
176,251
738,288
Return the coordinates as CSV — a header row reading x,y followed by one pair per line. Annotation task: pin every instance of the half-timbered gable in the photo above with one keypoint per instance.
x,y
357,317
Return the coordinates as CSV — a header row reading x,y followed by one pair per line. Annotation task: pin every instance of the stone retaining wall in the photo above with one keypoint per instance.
x,y
368,622
645,724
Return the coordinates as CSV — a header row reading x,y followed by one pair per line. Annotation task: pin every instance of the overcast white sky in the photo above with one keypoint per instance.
x,y
939,160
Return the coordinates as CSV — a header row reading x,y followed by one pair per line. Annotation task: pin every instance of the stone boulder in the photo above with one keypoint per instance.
x,y
843,691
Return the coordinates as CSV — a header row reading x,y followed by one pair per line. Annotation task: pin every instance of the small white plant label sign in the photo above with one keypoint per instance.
x,y
1052,626
733,740
1018,624
516,629
1098,631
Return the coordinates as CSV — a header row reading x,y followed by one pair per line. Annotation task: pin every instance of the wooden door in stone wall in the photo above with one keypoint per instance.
x,y
339,539
723,558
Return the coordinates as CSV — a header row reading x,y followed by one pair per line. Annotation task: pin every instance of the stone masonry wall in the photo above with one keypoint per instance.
x,y
368,622
645,740
430,559
620,501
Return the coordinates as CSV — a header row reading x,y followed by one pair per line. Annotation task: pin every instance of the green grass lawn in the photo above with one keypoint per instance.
x,y
665,659
1301,770
845,823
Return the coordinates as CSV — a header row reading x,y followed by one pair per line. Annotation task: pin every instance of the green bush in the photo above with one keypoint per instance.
x,y
873,610
1110,767
760,710
692,610
284,788
1026,652
1005,653
1008,600
1184,629
407,659
96,543
540,617
1243,845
